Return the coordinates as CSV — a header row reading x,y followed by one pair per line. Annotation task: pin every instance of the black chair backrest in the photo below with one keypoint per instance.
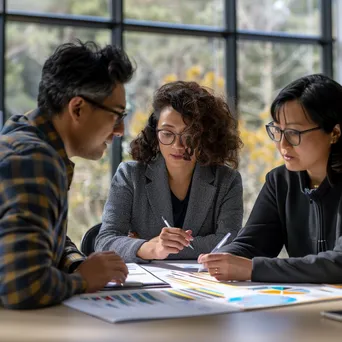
x,y
88,240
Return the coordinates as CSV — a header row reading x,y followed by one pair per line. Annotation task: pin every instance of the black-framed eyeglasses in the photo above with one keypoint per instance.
x,y
167,137
121,115
292,136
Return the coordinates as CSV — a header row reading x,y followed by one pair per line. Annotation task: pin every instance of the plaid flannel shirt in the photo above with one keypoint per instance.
x,y
36,257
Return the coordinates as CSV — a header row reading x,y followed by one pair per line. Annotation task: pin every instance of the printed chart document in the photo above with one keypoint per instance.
x,y
246,295
195,294
131,305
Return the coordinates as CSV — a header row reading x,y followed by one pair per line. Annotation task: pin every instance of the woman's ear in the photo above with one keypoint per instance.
x,y
335,134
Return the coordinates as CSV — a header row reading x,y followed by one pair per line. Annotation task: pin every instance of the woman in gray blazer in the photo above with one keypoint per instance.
x,y
184,170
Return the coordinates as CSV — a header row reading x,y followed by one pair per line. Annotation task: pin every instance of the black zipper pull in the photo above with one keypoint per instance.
x,y
322,245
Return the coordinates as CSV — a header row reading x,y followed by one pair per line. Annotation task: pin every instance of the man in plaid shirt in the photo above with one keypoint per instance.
x,y
81,105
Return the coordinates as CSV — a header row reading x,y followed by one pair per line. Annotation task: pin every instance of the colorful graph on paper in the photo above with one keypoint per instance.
x,y
120,306
186,279
194,294
130,305
261,300
282,290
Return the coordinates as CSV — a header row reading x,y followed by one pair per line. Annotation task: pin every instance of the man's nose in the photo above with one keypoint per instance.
x,y
118,131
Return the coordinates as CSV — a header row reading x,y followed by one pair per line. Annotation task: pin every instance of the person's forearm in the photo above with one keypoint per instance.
x,y
42,287
124,246
322,268
146,251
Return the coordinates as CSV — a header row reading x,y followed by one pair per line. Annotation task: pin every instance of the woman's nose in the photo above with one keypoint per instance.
x,y
178,142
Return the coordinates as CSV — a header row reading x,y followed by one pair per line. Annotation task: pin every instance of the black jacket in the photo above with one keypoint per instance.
x,y
307,222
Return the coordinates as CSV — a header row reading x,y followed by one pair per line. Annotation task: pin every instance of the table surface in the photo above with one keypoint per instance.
x,y
293,323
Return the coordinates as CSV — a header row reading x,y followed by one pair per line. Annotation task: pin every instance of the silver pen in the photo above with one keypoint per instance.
x,y
168,225
216,248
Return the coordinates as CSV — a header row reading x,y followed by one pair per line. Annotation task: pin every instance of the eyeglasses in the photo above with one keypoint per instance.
x,y
292,136
168,138
121,115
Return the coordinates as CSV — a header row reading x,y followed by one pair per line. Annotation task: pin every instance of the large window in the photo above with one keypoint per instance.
x,y
243,49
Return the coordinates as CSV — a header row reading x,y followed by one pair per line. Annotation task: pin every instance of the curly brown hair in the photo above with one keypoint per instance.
x,y
210,124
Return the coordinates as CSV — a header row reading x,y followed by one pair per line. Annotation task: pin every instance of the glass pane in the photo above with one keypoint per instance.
x,y
1,5
292,16
336,8
198,12
26,52
337,71
265,68
75,7
196,59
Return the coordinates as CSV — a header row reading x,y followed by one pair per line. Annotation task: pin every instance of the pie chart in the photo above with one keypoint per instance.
x,y
282,290
261,300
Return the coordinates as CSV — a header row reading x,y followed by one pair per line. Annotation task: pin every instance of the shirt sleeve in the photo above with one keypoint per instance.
x,y
262,234
325,267
32,206
116,220
71,258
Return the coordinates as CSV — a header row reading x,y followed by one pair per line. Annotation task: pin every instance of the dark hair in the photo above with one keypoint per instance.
x,y
211,127
320,98
81,69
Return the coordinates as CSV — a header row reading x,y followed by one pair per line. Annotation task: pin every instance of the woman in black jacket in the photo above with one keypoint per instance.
x,y
300,205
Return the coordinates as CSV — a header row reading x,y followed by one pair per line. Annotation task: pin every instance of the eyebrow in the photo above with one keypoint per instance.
x,y
291,123
294,123
168,125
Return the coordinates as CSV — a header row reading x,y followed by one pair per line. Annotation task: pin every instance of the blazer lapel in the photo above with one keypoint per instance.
x,y
201,198
158,191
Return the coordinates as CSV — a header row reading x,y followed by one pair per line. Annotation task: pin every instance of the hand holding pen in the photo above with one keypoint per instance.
x,y
169,241
179,232
217,247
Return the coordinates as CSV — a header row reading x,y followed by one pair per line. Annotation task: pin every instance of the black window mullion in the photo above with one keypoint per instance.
x,y
231,50
117,32
327,37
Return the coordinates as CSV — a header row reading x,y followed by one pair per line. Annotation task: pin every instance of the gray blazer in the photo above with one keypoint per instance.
x,y
140,195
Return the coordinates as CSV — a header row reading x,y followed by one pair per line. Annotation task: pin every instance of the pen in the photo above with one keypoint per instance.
x,y
221,243
216,248
168,225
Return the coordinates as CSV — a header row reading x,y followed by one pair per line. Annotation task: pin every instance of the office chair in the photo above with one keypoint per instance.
x,y
88,240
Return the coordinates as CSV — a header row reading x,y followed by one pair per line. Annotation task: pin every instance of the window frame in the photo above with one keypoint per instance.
x,y
117,24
